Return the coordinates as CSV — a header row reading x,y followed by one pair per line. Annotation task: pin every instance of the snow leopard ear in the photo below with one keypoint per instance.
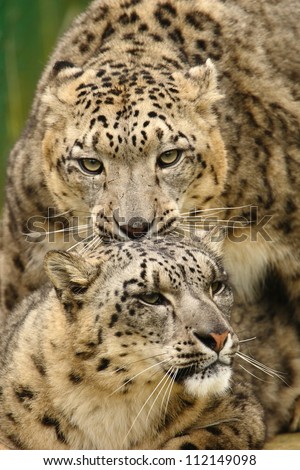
x,y
69,273
63,69
199,85
64,80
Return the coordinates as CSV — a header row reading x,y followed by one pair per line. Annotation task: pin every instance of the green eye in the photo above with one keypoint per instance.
x,y
169,158
216,288
153,298
91,166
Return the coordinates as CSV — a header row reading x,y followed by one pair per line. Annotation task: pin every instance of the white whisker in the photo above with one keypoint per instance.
x,y
201,222
168,376
139,360
81,241
246,340
195,221
89,245
216,423
142,408
139,373
191,211
158,394
65,230
98,243
87,242
77,228
250,373
189,215
191,227
170,386
262,367
254,361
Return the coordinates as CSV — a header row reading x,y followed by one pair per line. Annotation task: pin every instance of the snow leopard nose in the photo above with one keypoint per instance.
x,y
137,227
214,341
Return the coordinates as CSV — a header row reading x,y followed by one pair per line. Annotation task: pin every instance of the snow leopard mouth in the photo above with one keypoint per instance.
x,y
194,371
136,229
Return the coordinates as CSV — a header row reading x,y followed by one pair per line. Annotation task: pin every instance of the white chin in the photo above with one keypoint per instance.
x,y
213,384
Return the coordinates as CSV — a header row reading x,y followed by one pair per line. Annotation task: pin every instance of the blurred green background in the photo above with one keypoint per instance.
x,y
28,33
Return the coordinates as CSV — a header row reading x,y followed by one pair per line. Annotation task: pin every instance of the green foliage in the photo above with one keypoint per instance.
x,y
28,32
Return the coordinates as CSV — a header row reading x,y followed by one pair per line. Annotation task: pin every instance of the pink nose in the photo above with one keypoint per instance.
x,y
214,341
220,340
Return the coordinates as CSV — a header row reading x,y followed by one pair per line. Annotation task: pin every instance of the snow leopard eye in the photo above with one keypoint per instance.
x,y
216,288
92,166
169,158
153,298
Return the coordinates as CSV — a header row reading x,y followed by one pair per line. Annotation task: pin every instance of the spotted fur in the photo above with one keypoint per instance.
x,y
109,368
132,79
216,81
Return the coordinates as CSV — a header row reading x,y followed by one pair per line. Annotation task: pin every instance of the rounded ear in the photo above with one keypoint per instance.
x,y
64,82
62,92
199,85
65,69
69,272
